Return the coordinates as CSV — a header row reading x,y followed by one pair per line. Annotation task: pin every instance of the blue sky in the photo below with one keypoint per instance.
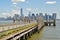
x,y
11,7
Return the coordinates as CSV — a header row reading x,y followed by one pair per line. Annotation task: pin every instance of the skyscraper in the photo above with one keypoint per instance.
x,y
22,13
41,14
37,15
54,16
33,16
46,16
49,17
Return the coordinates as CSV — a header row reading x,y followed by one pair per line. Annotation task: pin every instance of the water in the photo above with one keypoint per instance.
x,y
5,22
9,22
48,33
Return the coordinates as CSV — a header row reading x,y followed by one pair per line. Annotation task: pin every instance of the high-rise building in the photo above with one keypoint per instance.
x,y
33,16
49,17
29,15
22,12
37,15
54,16
40,14
16,16
46,16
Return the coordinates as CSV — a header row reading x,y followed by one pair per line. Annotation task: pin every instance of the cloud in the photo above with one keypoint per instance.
x,y
5,14
16,1
50,2
28,9
15,12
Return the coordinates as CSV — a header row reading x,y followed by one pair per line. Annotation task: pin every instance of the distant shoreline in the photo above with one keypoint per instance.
x,y
58,19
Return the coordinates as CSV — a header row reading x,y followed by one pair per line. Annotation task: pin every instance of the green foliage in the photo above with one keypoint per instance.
x,y
8,32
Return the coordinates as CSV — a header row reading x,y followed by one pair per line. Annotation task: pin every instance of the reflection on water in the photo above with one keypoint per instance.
x,y
48,33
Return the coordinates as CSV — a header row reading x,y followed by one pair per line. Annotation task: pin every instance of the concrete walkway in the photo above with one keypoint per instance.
x,y
8,27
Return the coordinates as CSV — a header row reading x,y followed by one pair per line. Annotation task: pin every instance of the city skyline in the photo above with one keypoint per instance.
x,y
11,7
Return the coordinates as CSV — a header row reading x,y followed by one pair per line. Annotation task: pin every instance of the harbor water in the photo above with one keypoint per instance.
x,y
48,33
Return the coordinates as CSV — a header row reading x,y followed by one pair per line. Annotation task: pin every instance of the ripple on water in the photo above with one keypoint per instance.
x,y
48,33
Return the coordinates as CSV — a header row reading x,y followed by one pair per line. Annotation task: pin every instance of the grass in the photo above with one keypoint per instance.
x,y
8,32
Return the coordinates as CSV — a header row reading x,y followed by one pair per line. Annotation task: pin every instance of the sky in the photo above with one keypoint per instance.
x,y
11,7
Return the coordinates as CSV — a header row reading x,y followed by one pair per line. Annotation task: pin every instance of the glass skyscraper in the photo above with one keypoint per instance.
x,y
21,10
